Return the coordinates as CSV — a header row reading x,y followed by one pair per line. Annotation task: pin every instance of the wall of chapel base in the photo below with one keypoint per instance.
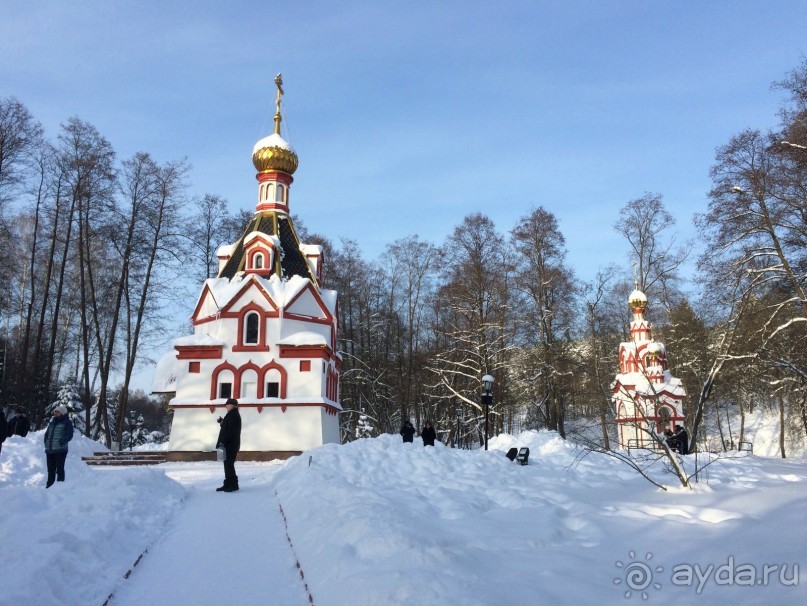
x,y
298,428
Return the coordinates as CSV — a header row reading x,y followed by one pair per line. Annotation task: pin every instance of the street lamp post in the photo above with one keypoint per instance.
x,y
487,400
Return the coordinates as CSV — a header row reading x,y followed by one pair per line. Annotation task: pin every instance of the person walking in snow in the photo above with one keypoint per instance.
x,y
428,434
57,435
19,425
408,431
230,440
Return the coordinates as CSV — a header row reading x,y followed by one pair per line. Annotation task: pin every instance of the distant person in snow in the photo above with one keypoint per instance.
x,y
408,431
682,437
230,440
57,435
672,440
428,434
19,425
3,428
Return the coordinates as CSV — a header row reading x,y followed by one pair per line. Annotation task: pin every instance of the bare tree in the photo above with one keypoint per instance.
x,y
208,227
475,338
548,285
646,224
155,195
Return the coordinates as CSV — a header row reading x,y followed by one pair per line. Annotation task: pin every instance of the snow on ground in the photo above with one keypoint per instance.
x,y
378,522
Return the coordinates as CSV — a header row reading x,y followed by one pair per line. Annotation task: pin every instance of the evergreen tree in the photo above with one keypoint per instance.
x,y
364,427
68,397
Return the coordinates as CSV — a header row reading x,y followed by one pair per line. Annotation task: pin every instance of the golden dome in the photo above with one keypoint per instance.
x,y
637,300
272,154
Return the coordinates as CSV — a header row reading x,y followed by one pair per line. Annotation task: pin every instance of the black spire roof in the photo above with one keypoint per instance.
x,y
272,223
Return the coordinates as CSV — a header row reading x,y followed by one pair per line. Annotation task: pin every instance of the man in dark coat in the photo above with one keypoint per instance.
x,y
682,439
3,428
19,425
428,434
57,435
408,431
230,440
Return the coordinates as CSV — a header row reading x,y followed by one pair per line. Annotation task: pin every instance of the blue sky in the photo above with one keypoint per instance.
x,y
407,116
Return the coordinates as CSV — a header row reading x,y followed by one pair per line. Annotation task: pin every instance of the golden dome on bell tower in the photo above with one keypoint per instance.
x,y
637,300
273,153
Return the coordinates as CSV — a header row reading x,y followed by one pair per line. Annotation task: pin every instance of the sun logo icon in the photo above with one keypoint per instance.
x,y
638,575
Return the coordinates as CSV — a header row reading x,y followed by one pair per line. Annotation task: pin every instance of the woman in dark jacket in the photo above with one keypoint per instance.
x,y
230,440
57,435
428,434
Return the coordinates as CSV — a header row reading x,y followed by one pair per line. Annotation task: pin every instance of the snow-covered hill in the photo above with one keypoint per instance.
x,y
380,522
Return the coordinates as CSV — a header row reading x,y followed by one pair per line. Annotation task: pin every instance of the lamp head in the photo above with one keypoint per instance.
x,y
487,383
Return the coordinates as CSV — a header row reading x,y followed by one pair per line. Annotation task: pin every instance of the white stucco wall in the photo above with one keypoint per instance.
x,y
298,428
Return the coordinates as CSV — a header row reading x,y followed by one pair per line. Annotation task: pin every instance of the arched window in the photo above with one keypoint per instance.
x,y
224,389
249,384
272,382
257,261
251,328
280,195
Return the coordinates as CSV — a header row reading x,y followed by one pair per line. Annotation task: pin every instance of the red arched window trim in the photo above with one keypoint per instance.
x,y
214,380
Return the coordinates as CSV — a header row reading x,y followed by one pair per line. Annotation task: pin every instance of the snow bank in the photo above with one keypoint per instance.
x,y
381,522
72,543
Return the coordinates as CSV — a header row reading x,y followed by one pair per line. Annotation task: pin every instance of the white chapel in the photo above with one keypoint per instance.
x,y
645,395
264,333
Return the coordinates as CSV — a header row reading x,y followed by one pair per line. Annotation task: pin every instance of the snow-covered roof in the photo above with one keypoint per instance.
x,y
165,373
258,234
671,385
273,140
281,291
225,250
329,298
637,295
305,337
197,339
311,249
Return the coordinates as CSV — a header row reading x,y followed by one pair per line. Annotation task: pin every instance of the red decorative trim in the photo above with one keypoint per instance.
x,y
212,410
272,206
306,351
241,370
226,313
284,178
199,352
305,365
194,367
283,408
324,308
214,379
283,378
242,316
260,408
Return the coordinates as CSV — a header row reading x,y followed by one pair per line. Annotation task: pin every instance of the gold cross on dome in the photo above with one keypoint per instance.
x,y
278,118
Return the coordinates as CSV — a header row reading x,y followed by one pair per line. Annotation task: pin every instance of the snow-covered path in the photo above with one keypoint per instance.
x,y
210,555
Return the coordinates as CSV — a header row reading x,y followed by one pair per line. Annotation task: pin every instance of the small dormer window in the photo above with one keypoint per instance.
x,y
257,261
251,329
